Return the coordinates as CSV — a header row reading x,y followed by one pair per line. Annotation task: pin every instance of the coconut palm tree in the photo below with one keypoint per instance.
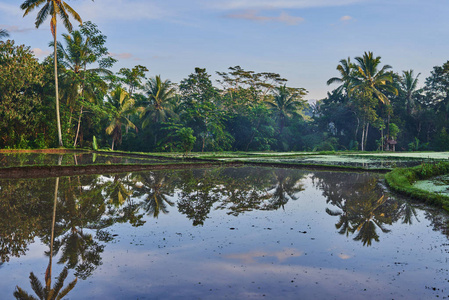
x,y
369,84
53,8
285,103
408,84
368,79
345,68
160,95
3,33
120,106
82,48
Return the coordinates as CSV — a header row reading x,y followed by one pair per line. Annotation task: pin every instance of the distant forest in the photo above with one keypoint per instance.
x,y
372,107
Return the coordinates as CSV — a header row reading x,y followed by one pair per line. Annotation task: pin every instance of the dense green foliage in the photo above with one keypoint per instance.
x,y
373,108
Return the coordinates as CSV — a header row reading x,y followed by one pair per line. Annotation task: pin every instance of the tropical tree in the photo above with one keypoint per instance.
x,y
345,68
286,101
158,104
120,106
408,84
84,47
53,8
369,85
3,33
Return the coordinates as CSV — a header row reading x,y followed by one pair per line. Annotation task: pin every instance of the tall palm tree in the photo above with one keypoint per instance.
x,y
408,84
160,95
53,8
285,103
368,83
120,106
3,33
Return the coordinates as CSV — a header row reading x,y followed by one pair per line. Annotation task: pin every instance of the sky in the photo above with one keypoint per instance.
x,y
302,40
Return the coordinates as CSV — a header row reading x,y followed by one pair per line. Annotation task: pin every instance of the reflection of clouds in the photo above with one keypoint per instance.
x,y
344,256
250,257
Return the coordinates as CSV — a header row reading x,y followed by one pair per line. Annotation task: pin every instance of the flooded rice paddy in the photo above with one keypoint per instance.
x,y
69,159
224,233
365,162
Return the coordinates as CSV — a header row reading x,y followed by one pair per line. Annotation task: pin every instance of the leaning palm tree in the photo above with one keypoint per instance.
x,y
345,68
285,103
53,8
120,106
3,33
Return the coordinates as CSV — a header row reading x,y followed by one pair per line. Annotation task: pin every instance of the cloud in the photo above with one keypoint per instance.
x,y
119,10
277,4
254,16
346,18
40,53
17,28
251,257
124,55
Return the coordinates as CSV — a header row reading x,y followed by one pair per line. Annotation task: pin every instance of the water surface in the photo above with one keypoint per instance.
x,y
222,233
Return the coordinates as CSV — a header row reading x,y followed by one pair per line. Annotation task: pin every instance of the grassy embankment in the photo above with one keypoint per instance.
x,y
401,180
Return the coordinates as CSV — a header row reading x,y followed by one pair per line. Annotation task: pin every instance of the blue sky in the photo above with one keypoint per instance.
x,y
302,40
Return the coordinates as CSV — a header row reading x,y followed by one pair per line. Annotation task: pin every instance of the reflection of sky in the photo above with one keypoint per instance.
x,y
295,253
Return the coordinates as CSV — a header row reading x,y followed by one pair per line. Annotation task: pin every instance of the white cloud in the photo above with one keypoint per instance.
x,y
40,53
124,55
14,28
276,4
346,18
254,16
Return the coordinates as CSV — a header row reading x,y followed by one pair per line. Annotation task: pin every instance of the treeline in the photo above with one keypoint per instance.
x,y
372,109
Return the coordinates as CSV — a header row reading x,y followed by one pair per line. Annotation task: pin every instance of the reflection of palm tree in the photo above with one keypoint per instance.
x,y
362,207
285,189
156,189
47,292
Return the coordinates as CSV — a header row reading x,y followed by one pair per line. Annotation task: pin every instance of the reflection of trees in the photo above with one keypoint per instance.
x,y
82,208
19,220
155,187
198,194
286,186
363,207
237,190
46,292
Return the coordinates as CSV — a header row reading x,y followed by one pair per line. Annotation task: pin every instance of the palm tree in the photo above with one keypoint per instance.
x,y
345,68
84,47
160,95
120,106
53,8
46,292
408,84
285,103
368,83
3,33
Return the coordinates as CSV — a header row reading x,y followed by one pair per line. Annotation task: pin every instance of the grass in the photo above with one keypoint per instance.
x,y
401,180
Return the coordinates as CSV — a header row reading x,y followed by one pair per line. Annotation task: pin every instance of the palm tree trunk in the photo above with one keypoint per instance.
x,y
366,135
58,120
78,127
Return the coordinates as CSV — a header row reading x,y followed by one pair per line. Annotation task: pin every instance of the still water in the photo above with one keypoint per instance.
x,y
246,233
